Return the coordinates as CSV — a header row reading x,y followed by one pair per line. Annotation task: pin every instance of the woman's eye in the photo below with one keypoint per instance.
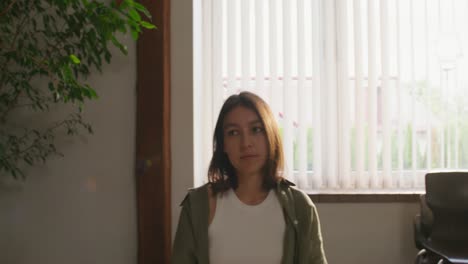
x,y
257,129
232,132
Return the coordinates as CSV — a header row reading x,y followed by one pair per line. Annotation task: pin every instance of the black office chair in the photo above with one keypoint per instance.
x,y
441,228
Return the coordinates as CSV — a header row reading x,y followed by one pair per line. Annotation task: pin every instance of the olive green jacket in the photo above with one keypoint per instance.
x,y
302,238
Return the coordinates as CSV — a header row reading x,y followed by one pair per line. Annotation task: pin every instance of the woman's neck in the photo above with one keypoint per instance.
x,y
250,190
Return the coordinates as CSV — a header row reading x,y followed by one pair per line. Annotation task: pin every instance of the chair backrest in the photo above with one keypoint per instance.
x,y
425,216
447,196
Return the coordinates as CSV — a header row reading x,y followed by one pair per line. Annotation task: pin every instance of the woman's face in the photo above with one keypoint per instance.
x,y
245,141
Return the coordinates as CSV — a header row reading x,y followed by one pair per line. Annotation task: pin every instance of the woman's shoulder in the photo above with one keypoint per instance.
x,y
300,197
197,195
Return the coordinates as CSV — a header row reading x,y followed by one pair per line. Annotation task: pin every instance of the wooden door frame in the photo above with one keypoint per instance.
x,y
153,148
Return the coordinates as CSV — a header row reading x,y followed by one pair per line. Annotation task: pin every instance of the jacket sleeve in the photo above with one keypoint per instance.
x,y
183,251
310,243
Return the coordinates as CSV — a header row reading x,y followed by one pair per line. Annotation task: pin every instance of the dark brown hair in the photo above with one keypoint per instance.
x,y
221,173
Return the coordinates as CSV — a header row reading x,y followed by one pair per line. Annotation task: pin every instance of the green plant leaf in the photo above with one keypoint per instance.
x,y
134,15
142,9
75,59
135,35
147,25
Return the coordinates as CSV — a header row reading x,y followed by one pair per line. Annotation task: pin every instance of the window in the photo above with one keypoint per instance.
x,y
369,95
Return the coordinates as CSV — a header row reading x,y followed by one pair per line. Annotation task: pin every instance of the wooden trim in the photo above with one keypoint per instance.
x,y
153,163
365,198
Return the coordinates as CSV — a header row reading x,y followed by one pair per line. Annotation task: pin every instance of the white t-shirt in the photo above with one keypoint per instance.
x,y
241,233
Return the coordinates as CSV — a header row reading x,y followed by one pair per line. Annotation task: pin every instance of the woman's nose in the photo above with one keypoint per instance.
x,y
246,141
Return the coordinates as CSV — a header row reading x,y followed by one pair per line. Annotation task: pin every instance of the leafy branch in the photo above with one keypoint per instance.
x,y
58,43
3,12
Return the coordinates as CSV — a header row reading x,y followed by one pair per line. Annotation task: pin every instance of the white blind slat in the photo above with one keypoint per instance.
x,y
413,96
205,96
317,48
231,45
372,95
302,125
217,62
398,98
246,53
288,140
273,55
386,96
330,97
344,114
259,49
427,92
361,177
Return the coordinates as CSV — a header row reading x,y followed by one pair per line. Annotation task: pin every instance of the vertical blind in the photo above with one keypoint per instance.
x,y
369,95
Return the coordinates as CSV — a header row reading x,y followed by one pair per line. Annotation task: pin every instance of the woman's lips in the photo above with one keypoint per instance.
x,y
249,156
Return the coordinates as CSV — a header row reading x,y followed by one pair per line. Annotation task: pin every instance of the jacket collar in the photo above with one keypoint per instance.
x,y
286,182
286,198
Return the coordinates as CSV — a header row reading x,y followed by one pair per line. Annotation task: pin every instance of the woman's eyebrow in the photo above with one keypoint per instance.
x,y
254,122
229,125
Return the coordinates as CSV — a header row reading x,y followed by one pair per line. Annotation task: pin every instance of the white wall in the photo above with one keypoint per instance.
x,y
368,232
181,103
353,233
81,208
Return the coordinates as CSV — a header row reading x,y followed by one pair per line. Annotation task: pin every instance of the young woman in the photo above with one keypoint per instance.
x,y
247,213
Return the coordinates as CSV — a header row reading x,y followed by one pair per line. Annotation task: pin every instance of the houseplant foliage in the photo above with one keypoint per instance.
x,y
47,49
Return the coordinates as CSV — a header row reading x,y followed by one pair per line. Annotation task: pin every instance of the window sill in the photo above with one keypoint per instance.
x,y
365,198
